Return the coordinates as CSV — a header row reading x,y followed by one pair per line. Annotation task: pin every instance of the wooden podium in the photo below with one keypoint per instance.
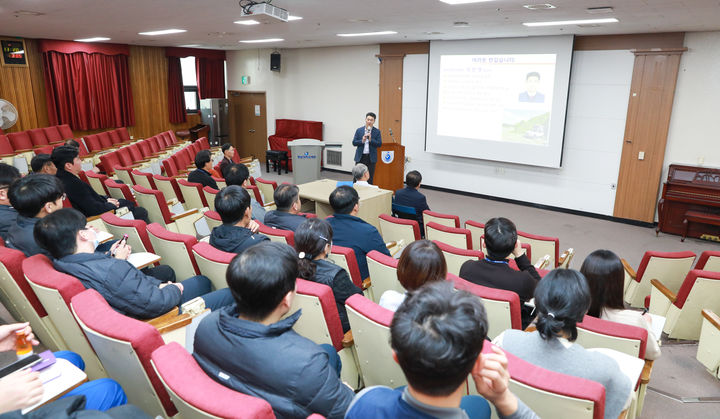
x,y
390,166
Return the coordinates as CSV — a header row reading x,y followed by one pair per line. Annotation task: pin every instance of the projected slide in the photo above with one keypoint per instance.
x,y
496,97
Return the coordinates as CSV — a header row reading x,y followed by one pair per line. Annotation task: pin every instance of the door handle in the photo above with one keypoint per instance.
x,y
252,130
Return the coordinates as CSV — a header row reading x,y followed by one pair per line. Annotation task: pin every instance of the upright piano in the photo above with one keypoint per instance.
x,y
693,190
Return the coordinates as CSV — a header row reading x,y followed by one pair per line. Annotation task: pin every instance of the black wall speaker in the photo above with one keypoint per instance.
x,y
275,61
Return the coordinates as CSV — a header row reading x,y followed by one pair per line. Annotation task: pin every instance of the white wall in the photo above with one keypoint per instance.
x,y
335,85
597,107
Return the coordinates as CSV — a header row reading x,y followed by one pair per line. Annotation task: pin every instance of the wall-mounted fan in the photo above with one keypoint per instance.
x,y
8,114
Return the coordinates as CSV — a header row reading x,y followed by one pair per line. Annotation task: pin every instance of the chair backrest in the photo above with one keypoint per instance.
x,y
154,202
455,256
124,345
109,161
396,229
383,273
124,156
670,268
456,237
135,229
700,290
175,250
5,146
266,188
213,219
20,140
345,258
194,197
320,321
97,182
189,387
541,246
125,175
278,235
115,137
210,194
55,290
256,193
144,179
502,307
370,324
37,136
442,219
169,187
119,190
105,140
709,261
145,148
599,333
135,152
58,133
93,142
477,230
212,263
124,134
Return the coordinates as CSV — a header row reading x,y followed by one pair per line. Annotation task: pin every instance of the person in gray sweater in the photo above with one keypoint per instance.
x,y
561,300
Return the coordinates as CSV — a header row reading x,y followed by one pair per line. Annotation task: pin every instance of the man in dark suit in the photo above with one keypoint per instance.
x,y
411,197
201,175
287,201
494,272
351,231
367,139
228,153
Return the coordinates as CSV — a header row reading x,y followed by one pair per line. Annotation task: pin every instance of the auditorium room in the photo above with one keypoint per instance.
x,y
344,209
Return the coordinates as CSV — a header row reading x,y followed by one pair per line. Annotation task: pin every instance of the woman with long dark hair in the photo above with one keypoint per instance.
x,y
313,242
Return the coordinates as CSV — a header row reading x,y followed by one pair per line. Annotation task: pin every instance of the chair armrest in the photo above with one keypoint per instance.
x,y
530,328
179,177
348,341
170,321
623,414
646,372
97,217
184,214
543,262
663,289
367,283
269,204
390,244
171,202
711,317
628,269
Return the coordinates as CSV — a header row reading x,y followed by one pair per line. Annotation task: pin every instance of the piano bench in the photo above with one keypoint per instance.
x,y
698,217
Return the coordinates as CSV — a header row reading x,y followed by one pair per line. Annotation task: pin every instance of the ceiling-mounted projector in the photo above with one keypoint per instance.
x,y
265,13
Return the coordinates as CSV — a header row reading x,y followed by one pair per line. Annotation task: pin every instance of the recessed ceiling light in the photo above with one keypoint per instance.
x,y
255,41
463,1
190,46
541,6
247,22
572,22
291,17
461,24
26,13
162,32
368,33
96,39
599,10
433,33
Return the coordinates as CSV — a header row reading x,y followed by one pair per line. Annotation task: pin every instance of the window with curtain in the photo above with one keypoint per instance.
x,y
190,85
193,74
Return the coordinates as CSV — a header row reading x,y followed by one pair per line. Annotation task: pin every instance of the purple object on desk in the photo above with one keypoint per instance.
x,y
48,358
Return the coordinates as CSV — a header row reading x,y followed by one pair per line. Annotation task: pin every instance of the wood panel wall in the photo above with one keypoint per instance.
x,y
24,87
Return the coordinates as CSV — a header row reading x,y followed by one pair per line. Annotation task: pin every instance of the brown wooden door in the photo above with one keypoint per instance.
x,y
648,119
390,112
248,123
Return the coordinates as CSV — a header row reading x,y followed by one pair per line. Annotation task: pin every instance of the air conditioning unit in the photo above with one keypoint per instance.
x,y
333,157
265,13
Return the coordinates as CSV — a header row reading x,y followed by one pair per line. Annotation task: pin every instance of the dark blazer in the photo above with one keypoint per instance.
x,y
223,164
82,196
7,219
411,197
375,142
501,276
355,233
202,177
21,237
283,220
337,278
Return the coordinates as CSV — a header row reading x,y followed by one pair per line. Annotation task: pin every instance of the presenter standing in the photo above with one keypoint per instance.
x,y
367,139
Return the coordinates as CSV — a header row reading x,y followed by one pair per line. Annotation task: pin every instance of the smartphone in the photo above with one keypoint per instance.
x,y
120,243
20,364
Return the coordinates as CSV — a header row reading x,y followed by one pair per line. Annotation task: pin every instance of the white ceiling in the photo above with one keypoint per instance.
x,y
209,23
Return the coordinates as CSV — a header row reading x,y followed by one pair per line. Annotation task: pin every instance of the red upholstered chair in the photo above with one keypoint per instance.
x,y
383,273
135,229
278,235
212,219
456,237
173,137
105,141
345,258
502,307
124,345
83,150
93,143
19,298
145,148
189,387
169,187
455,256
255,193
396,229
20,141
109,161
670,268
154,146
266,188
124,134
97,181
143,179
135,153
65,133
115,137
709,261
169,167
6,148
210,194
124,156
442,219
477,230
212,263
193,194
204,143
47,149
38,138
158,212
542,245
175,250
55,290
160,146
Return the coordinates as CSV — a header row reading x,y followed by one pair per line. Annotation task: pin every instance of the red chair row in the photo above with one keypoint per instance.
x,y
37,137
125,158
107,140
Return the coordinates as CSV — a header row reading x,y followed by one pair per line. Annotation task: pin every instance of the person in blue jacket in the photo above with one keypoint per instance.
x,y
367,139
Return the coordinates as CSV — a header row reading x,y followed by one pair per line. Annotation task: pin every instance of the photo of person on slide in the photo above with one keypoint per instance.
x,y
531,94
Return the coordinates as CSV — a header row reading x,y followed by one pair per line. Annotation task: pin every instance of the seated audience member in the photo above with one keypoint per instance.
x,y
228,153
72,244
238,231
313,241
42,163
561,300
238,174
8,174
72,142
287,201
605,275
494,272
411,197
437,335
352,231
421,261
361,174
202,175
24,388
292,373
81,195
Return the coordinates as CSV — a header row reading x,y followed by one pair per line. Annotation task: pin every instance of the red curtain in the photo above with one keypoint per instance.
x,y
88,90
210,77
176,95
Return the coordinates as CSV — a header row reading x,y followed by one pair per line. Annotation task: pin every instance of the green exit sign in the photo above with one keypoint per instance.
x,y
245,80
